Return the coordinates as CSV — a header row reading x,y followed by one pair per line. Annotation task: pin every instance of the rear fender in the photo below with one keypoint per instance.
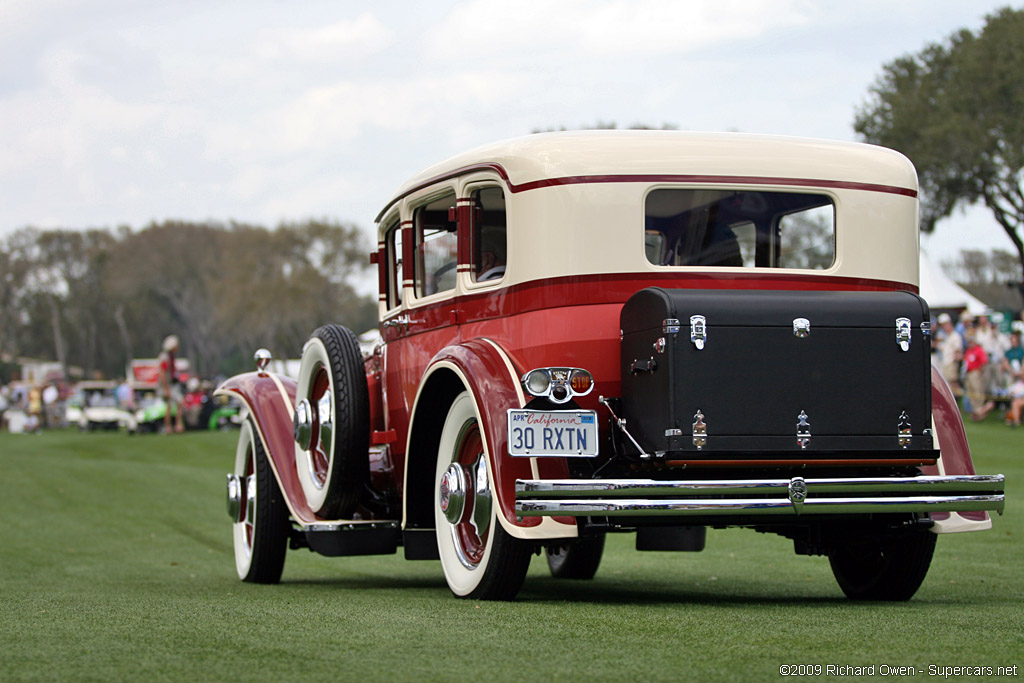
x,y
954,458
485,370
270,399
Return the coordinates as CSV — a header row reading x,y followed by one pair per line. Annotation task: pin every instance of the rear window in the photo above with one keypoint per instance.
x,y
739,228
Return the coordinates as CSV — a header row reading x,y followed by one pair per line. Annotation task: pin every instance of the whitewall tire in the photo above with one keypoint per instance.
x,y
479,558
260,529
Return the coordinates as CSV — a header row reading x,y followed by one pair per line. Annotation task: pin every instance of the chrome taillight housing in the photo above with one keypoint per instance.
x,y
559,385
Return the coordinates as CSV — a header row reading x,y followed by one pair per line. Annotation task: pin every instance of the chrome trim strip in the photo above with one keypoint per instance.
x,y
634,487
639,497
756,506
352,525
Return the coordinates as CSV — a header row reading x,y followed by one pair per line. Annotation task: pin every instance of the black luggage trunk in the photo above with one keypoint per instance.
x,y
744,373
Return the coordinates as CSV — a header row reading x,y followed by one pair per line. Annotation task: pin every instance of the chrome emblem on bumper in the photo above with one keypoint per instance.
x,y
797,492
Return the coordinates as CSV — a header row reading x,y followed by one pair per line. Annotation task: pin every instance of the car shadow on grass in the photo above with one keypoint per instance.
x,y
612,591
368,583
547,590
615,593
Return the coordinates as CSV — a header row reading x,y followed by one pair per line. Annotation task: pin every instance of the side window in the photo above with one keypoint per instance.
x,y
489,235
393,246
436,246
807,239
739,228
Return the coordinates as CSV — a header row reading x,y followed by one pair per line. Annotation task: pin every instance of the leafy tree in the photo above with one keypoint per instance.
x,y
15,267
70,266
277,287
988,276
955,109
94,299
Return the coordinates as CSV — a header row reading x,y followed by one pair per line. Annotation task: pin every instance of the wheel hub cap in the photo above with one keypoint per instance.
x,y
482,497
250,498
234,497
326,422
302,424
452,493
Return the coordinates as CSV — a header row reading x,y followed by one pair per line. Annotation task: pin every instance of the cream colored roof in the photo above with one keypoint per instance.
x,y
627,152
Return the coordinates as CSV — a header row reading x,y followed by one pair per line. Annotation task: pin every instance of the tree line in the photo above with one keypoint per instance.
x,y
991,276
955,109
95,299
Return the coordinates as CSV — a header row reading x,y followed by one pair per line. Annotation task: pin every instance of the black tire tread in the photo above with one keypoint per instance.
x,y
506,570
270,535
351,466
900,566
578,559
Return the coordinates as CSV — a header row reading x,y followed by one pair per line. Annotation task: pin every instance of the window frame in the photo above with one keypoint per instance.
x,y
469,190
393,263
416,206
765,249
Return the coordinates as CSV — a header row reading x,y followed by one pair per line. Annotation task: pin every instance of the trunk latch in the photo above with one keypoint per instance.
x,y
803,430
700,431
903,429
698,331
903,333
801,327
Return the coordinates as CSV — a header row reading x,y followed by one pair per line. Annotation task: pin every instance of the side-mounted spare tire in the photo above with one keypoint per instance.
x,y
332,422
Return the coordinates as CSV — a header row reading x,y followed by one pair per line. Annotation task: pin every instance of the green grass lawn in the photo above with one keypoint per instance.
x,y
116,564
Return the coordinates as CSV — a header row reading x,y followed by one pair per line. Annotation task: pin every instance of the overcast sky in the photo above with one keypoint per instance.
x,y
121,112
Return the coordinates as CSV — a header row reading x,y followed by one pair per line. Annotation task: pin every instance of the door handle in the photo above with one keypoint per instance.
x,y
401,322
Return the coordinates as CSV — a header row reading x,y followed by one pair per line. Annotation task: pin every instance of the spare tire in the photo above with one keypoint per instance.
x,y
332,423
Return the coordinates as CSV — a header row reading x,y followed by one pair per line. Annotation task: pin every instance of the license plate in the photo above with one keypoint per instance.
x,y
567,433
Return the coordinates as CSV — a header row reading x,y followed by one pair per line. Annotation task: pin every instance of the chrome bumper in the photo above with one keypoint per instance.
x,y
796,496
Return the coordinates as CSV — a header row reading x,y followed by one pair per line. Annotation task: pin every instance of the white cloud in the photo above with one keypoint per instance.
x,y
485,28
331,116
346,39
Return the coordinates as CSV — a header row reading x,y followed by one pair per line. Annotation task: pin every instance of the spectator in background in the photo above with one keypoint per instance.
x,y
192,403
975,363
1013,368
992,341
52,413
19,397
125,395
1013,358
170,389
963,324
950,353
35,403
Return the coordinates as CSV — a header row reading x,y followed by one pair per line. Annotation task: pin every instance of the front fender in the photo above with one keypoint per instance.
x,y
954,458
484,368
271,402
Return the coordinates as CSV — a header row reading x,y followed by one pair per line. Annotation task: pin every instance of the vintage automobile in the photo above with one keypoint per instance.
x,y
94,405
603,332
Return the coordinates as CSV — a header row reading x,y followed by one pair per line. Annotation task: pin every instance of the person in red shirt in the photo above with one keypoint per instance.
x,y
975,360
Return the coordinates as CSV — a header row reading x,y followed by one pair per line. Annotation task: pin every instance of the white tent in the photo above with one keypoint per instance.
x,y
939,290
